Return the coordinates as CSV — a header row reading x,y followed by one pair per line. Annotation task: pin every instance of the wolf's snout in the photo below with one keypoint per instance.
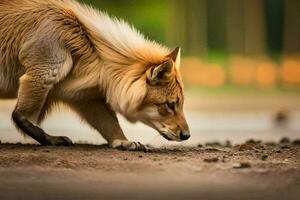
x,y
184,135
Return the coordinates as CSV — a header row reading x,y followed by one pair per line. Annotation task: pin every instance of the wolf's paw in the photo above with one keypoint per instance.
x,y
128,145
58,141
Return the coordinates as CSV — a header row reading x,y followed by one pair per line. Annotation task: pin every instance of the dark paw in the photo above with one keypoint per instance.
x,y
58,141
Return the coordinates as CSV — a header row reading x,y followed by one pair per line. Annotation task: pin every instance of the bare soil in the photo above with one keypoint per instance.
x,y
253,170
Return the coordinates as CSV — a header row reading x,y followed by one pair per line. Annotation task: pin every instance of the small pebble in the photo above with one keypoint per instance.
x,y
264,157
125,159
285,146
211,160
252,141
140,156
295,142
241,165
245,147
284,140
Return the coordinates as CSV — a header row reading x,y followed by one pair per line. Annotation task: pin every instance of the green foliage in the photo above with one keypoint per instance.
x,y
149,17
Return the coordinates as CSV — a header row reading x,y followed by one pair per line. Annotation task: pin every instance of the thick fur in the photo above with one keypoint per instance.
x,y
60,50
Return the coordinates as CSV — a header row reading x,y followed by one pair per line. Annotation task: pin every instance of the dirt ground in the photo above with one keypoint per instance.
x,y
253,170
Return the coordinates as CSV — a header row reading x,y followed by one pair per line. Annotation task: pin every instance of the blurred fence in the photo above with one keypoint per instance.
x,y
262,72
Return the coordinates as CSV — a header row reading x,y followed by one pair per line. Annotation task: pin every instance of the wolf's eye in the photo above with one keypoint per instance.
x,y
171,105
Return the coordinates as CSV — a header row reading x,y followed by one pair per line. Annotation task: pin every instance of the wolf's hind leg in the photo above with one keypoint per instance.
x,y
43,64
100,116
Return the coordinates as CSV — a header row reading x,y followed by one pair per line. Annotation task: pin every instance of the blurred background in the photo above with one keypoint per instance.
x,y
240,66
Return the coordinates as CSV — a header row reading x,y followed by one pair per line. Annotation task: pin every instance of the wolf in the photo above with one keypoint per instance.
x,y
62,51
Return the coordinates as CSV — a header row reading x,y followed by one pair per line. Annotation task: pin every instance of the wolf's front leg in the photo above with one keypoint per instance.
x,y
31,98
44,62
100,116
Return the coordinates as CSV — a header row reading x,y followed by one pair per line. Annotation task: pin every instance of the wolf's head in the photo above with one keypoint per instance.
x,y
162,105
139,78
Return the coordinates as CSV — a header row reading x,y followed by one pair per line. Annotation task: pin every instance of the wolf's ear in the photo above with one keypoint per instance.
x,y
160,74
175,56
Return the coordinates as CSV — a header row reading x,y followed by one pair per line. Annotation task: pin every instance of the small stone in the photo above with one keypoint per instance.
x,y
125,159
284,140
285,146
140,156
245,147
295,142
199,145
241,165
252,141
211,160
264,157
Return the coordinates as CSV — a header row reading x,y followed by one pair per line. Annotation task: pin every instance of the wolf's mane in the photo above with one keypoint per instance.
x,y
125,55
121,41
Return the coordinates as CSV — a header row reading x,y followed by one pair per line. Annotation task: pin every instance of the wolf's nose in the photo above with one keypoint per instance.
x,y
184,135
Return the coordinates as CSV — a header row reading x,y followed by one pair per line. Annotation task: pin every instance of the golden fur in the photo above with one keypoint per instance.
x,y
60,50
